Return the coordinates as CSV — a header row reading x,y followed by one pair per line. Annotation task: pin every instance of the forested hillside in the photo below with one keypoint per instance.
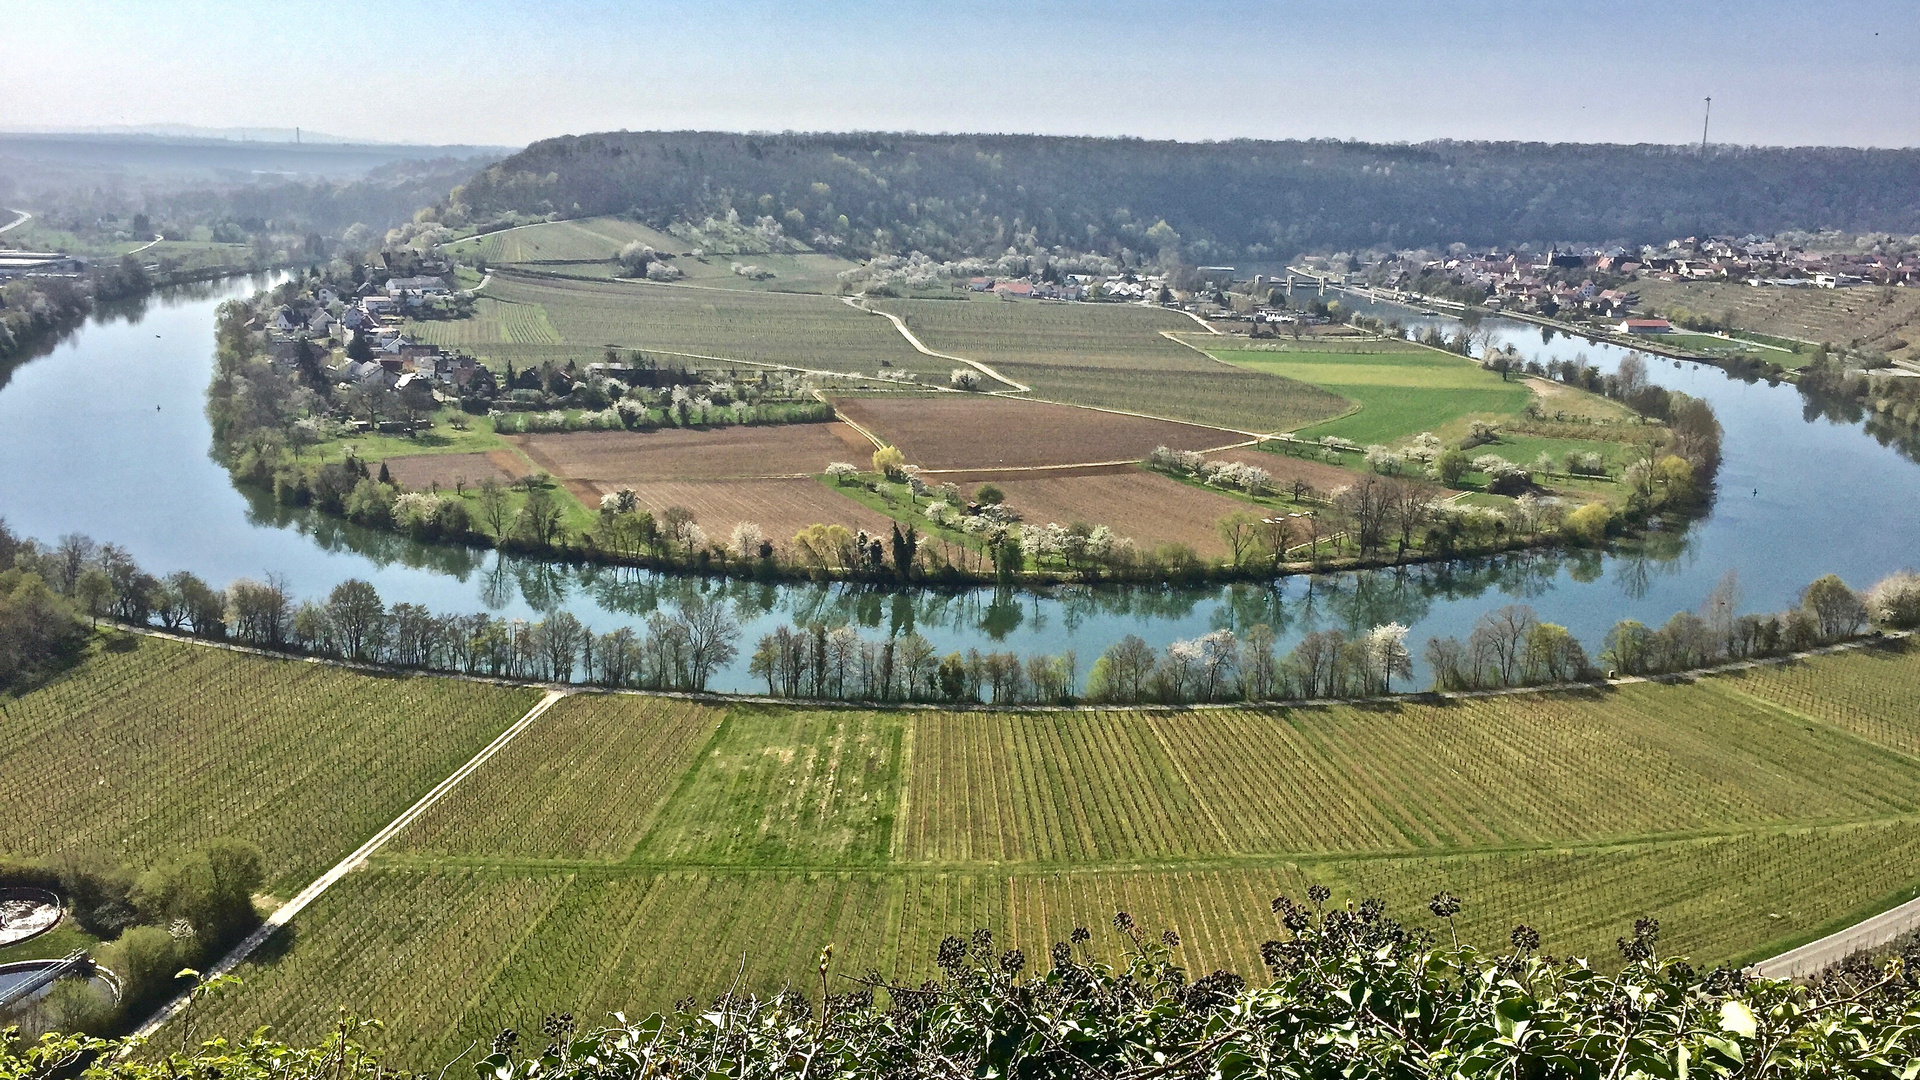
x,y
952,196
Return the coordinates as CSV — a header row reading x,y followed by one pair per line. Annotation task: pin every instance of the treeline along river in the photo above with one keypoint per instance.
x,y
106,434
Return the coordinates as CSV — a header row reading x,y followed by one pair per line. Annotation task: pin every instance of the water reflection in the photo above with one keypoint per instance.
x,y
105,433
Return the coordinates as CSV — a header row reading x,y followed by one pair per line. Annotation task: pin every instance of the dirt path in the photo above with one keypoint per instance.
x,y
16,222
920,347
308,895
156,239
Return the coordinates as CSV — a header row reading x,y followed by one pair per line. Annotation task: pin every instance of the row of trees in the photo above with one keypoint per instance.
x,y
816,661
684,649
1512,647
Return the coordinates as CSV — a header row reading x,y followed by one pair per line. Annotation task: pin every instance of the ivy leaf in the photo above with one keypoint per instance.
x,y
1737,1019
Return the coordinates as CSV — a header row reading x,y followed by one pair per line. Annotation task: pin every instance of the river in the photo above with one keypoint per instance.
x,y
106,434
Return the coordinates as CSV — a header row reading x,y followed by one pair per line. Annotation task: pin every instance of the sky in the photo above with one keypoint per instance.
x,y
503,73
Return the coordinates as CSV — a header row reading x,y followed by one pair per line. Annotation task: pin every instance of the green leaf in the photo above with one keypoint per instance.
x,y
1737,1019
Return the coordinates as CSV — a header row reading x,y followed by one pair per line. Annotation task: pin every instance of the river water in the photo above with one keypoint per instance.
x,y
106,434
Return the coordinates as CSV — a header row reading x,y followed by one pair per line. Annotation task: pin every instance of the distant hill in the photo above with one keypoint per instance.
x,y
955,195
92,184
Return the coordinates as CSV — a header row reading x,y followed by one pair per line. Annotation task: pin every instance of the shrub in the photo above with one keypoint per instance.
x,y
1347,991
1588,524
1894,602
889,462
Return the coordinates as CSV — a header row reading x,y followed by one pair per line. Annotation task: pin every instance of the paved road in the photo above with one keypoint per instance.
x,y
308,895
16,222
1815,956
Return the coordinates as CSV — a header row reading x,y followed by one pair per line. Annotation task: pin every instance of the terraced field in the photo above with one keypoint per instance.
x,y
628,851
1871,318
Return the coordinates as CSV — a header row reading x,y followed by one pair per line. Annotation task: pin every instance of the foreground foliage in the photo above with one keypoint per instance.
x,y
1348,992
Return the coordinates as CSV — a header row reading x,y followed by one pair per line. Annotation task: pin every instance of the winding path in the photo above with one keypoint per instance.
x,y
16,222
308,895
920,347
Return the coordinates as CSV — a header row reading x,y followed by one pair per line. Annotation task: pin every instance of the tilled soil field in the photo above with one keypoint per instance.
x,y
611,460
780,507
1152,509
1284,468
979,432
422,472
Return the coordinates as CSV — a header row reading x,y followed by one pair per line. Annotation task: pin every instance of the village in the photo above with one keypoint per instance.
x,y
305,333
1596,282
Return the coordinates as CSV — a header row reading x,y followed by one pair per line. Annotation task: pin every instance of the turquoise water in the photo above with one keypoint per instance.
x,y
106,434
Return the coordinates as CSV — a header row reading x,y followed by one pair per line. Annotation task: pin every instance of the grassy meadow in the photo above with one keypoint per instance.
x,y
1396,389
630,851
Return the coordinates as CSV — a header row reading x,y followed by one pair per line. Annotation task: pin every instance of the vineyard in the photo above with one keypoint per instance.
x,y
493,322
817,332
628,851
1113,356
153,747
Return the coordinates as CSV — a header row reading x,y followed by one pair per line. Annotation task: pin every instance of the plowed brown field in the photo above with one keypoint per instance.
x,y
1152,509
1284,468
614,459
977,432
780,507
420,472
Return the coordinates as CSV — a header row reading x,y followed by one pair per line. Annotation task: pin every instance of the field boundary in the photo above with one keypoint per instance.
x,y
286,912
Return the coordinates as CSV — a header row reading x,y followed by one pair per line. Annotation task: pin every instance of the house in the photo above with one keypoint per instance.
x,y
454,370
413,289
321,323
379,305
980,284
1645,326
326,295
1014,289
364,373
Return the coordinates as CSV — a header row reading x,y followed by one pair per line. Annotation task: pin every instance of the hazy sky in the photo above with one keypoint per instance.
x,y
508,73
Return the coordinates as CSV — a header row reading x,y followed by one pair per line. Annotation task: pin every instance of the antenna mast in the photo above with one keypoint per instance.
x,y
1703,126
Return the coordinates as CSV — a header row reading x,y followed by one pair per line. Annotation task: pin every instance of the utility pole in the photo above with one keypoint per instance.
x,y
1703,127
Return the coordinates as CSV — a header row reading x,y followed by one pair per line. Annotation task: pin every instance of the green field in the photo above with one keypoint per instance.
x,y
630,850
1112,356
1397,389
153,747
